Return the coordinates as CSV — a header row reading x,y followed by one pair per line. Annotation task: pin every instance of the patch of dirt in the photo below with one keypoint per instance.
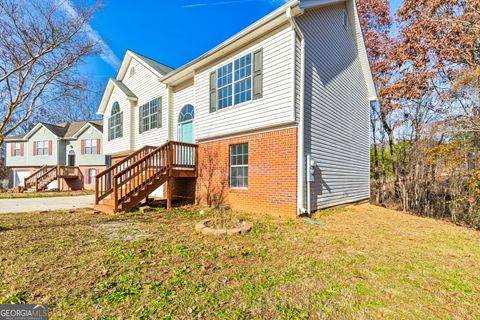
x,y
123,230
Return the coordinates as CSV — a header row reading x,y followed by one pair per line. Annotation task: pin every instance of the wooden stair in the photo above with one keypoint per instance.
x,y
41,178
124,185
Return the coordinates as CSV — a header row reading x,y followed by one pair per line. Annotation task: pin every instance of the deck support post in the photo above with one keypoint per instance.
x,y
169,192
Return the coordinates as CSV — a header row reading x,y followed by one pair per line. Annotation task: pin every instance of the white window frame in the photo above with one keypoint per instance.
x,y
44,148
90,146
91,179
17,152
146,119
115,131
234,82
237,166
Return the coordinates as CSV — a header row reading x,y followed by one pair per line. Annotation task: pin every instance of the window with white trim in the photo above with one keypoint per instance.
x,y
239,165
91,175
234,82
42,148
150,116
115,123
90,146
17,149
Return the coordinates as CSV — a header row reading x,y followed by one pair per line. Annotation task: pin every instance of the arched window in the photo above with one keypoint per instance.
x,y
115,122
186,114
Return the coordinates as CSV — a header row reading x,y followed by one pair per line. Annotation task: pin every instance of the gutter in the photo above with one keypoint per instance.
x,y
292,3
301,126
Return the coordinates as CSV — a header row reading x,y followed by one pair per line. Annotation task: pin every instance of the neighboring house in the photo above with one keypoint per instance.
x,y
293,86
70,145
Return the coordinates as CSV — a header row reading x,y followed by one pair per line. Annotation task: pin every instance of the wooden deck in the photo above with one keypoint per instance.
x,y
124,185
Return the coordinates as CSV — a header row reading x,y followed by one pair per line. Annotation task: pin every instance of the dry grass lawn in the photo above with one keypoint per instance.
x,y
366,262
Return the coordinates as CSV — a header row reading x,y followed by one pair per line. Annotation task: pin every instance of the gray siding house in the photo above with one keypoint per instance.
x,y
282,107
76,145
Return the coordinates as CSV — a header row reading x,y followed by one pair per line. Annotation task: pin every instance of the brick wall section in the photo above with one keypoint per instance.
x,y
272,173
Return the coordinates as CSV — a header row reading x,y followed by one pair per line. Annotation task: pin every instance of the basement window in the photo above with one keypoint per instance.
x,y
239,166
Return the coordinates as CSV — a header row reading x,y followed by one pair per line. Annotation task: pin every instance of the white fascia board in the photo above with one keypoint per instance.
x,y
31,132
106,96
88,124
126,62
260,27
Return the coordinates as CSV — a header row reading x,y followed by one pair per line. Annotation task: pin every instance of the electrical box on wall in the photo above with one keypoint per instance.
x,y
311,164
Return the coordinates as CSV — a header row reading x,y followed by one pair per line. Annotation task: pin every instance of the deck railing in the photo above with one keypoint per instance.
x,y
49,173
161,161
68,171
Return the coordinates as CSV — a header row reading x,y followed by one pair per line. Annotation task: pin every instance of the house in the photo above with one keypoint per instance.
x,y
66,156
275,119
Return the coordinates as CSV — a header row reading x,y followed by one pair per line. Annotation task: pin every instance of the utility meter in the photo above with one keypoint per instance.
x,y
311,164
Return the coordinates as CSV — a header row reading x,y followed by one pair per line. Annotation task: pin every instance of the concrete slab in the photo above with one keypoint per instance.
x,y
44,204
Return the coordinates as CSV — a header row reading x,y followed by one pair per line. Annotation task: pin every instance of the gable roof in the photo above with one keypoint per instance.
x,y
159,67
62,130
112,83
130,95
268,23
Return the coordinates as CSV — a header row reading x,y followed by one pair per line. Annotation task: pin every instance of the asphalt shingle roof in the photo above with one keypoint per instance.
x,y
65,129
160,67
124,88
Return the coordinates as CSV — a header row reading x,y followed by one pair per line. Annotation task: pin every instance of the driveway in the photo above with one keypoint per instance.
x,y
44,204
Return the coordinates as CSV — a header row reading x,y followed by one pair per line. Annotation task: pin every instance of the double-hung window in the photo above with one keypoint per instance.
x,y
239,165
90,146
91,176
115,123
42,148
17,149
243,79
234,82
150,115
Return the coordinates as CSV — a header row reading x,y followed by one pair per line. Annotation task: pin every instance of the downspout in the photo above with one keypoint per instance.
x,y
300,132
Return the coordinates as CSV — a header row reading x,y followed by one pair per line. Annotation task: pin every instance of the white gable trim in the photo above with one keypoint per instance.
x,y
35,129
82,129
126,62
106,96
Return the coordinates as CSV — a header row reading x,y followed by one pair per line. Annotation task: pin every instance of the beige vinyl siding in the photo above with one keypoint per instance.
x,y
146,86
336,109
183,95
123,144
275,107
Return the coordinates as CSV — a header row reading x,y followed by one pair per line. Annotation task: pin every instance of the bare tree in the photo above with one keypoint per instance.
x,y
42,42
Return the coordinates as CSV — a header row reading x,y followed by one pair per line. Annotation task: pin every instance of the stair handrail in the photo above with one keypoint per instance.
x,y
44,175
34,176
103,184
163,159
122,181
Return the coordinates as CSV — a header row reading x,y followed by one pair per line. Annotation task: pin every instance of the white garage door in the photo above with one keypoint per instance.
x,y
20,177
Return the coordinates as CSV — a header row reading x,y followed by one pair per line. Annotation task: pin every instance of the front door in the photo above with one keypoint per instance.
x,y
185,132
71,159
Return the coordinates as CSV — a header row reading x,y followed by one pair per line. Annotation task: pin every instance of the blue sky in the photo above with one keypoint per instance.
x,y
171,32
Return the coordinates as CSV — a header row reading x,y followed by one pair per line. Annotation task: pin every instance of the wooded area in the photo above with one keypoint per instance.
x,y
425,59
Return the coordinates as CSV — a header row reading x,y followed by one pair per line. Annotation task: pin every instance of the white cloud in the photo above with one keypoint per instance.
x,y
218,3
106,53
